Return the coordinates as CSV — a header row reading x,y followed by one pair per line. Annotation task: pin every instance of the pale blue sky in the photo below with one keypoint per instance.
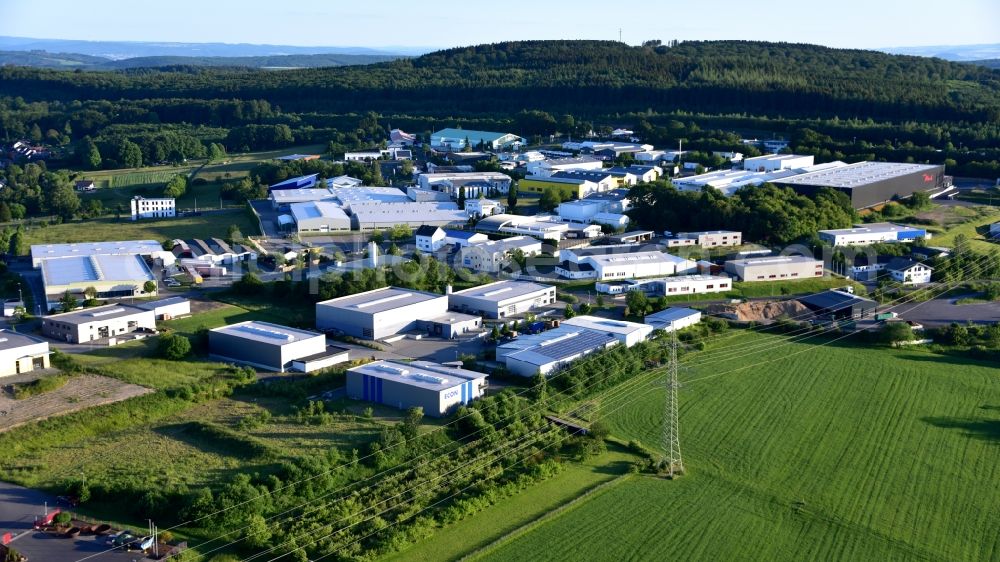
x,y
444,23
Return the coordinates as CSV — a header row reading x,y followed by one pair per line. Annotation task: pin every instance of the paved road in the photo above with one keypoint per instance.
x,y
18,508
943,311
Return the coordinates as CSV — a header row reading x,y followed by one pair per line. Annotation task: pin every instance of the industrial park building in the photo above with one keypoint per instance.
x,y
20,353
502,299
493,255
874,233
775,268
457,139
706,239
273,347
556,352
628,333
110,276
668,286
379,314
839,305
870,183
168,308
96,323
437,389
319,216
673,318
621,262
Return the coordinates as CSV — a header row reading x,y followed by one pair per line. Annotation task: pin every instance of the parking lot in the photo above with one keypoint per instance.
x,y
943,311
18,508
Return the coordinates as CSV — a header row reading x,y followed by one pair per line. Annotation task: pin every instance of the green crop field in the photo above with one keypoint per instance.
x,y
98,230
851,453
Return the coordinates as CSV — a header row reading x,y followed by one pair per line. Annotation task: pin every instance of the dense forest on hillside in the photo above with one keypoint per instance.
x,y
585,77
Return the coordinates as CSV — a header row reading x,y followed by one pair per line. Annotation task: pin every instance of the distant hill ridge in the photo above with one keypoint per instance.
x,y
580,77
44,59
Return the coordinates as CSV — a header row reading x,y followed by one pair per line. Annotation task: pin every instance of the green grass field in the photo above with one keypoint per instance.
x,y
976,229
511,513
849,453
98,230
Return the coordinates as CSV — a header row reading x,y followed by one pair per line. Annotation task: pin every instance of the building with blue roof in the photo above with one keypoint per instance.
x,y
556,352
110,275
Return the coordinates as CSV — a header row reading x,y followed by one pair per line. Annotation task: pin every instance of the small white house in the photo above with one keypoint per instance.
x,y
909,272
430,238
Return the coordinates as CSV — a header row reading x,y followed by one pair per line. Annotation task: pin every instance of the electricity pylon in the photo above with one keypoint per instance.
x,y
671,427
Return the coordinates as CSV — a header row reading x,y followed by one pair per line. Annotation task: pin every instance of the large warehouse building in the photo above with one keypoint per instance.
x,y
273,347
873,233
111,276
555,352
381,313
502,299
870,183
431,386
628,333
96,323
21,354
775,268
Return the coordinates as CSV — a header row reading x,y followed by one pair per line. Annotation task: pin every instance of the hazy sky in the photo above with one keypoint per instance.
x,y
445,23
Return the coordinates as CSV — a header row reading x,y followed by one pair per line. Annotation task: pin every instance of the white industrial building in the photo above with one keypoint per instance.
x,y
433,238
482,207
667,286
110,276
628,333
603,179
379,314
300,182
502,299
728,181
555,352
874,233
168,308
273,347
319,216
775,268
546,168
457,139
99,322
493,255
621,262
281,199
517,225
673,318
777,162
706,239
586,211
20,353
156,208
376,215
474,183
437,389
146,248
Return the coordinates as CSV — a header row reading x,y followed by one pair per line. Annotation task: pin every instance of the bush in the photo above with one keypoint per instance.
x,y
173,347
39,386
62,518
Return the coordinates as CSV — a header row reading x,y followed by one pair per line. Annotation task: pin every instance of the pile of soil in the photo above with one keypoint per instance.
x,y
760,311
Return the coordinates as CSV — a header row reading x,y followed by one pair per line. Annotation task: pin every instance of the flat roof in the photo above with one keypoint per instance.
x,y
96,314
676,279
503,290
774,260
611,249
266,332
301,195
472,134
410,213
150,305
604,325
139,247
858,175
833,300
637,257
318,210
421,374
451,318
83,269
381,300
670,314
878,227
563,347
13,340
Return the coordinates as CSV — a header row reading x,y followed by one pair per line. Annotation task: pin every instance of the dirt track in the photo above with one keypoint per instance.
x,y
82,391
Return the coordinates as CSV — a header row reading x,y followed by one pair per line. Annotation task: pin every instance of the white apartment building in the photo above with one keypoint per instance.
x,y
157,208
